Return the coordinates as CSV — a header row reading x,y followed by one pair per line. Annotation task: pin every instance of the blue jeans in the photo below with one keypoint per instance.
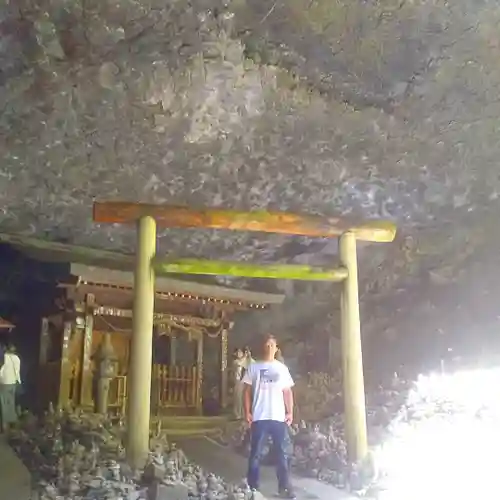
x,y
260,432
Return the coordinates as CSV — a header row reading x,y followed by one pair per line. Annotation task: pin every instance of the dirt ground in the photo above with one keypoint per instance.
x,y
15,480
232,467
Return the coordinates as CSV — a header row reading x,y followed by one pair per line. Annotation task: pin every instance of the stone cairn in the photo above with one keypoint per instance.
x,y
80,456
77,456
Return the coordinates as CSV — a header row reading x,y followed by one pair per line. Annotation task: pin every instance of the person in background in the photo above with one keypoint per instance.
x,y
239,367
247,358
10,380
279,356
268,401
247,354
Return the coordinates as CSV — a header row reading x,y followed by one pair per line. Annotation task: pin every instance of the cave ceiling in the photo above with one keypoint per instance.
x,y
368,108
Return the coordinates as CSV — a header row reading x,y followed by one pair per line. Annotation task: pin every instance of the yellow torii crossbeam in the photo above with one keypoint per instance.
x,y
147,217
248,270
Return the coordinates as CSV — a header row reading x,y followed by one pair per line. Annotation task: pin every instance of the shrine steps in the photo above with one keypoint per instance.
x,y
192,425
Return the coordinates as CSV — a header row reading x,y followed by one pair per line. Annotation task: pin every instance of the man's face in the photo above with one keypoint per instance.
x,y
270,348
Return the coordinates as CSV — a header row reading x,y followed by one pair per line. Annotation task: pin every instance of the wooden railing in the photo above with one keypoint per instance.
x,y
118,394
174,386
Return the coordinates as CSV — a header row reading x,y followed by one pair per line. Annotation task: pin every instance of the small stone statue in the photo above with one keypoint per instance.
x,y
239,366
106,362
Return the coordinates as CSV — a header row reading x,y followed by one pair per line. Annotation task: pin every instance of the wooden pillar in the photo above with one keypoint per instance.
x,y
199,369
352,361
44,341
173,351
42,385
65,376
223,369
86,382
139,375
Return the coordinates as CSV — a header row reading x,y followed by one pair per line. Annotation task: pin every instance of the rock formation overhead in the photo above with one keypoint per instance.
x,y
372,108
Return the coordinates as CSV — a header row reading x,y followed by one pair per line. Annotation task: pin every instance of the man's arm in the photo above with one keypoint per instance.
x,y
17,366
288,397
247,393
247,400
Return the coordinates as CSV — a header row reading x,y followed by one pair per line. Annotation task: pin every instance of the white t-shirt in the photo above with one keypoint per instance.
x,y
10,373
268,380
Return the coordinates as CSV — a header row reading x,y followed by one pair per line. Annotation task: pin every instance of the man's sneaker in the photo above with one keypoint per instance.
x,y
287,493
255,494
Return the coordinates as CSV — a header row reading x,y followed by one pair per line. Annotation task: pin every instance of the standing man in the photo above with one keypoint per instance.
x,y
10,381
268,400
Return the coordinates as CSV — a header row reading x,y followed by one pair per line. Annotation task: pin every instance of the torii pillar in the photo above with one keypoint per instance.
x,y
141,348
352,358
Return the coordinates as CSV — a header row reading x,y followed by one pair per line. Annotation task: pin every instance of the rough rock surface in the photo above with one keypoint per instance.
x,y
347,107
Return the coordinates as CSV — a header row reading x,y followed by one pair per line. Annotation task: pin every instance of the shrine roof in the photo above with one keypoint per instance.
x,y
174,287
97,266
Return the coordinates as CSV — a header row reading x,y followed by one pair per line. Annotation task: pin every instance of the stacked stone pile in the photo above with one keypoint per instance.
x,y
78,456
75,456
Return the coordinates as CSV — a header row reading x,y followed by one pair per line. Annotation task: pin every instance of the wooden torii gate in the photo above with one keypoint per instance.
x,y
147,217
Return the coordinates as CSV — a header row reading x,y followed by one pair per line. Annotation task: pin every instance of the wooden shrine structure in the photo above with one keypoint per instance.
x,y
96,310
148,217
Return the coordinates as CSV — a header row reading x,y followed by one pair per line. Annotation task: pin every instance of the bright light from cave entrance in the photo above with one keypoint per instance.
x,y
447,446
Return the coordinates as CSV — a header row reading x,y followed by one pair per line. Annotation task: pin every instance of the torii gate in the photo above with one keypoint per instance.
x,y
147,217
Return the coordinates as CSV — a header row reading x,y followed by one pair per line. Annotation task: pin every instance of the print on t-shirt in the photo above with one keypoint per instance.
x,y
268,380
269,377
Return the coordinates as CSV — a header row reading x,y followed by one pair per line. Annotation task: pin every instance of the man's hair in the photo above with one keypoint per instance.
x,y
267,336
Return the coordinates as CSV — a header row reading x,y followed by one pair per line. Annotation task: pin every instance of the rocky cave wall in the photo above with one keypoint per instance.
x,y
366,108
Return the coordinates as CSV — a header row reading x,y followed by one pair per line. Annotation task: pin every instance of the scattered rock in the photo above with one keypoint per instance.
x,y
81,456
107,75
